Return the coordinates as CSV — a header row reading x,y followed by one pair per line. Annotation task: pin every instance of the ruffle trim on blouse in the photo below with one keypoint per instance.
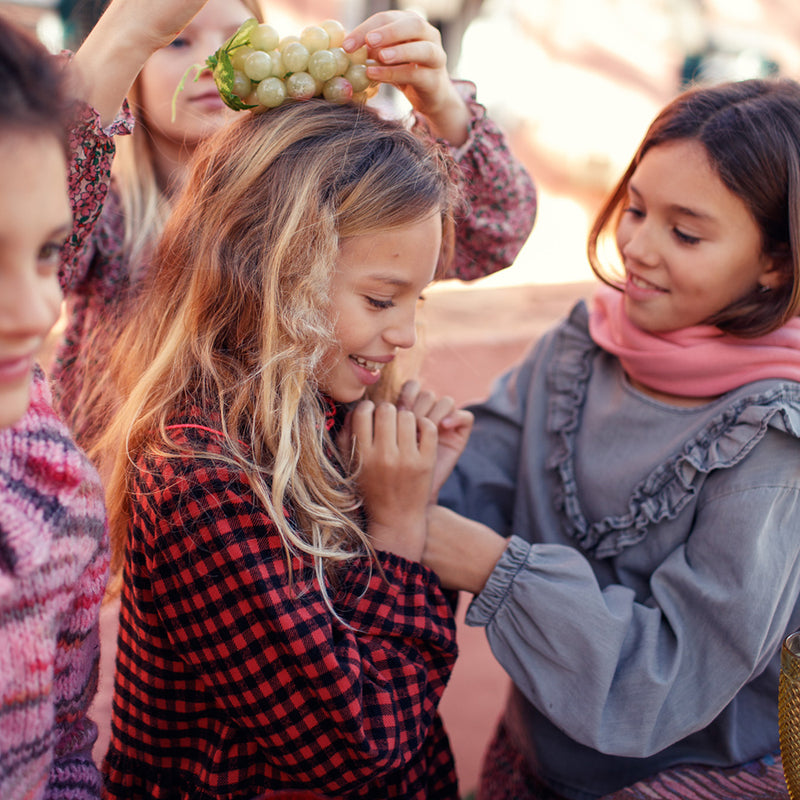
x,y
723,442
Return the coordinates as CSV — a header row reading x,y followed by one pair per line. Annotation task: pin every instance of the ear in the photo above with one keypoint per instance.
x,y
777,272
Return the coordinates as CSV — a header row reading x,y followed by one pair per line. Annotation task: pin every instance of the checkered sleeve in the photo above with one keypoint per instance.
x,y
334,699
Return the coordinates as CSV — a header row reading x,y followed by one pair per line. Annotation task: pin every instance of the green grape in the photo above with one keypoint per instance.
x,y
258,66
301,86
271,92
278,68
357,75
338,90
359,56
342,60
315,38
264,37
240,55
287,40
242,85
335,31
295,57
255,68
322,65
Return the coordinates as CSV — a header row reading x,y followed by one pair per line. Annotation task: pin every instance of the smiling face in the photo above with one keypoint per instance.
x,y
378,281
199,110
34,223
689,245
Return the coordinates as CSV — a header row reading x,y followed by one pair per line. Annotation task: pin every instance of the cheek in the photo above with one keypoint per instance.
x,y
52,297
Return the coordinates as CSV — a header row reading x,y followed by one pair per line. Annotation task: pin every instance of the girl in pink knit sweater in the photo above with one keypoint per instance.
x,y
53,535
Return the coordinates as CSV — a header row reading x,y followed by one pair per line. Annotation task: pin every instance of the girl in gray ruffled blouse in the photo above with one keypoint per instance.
x,y
628,506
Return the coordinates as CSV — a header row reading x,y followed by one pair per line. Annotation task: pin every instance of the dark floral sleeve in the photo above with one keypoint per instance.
x,y
92,152
500,195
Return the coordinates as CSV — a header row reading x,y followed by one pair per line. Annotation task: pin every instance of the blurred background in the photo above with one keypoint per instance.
x,y
574,83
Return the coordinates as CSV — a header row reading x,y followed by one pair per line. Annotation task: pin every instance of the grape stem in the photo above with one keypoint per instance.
x,y
199,70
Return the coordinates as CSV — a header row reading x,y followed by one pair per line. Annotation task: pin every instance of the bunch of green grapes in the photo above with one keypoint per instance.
x,y
256,68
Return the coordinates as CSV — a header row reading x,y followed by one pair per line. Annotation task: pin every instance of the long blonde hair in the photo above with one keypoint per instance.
x,y
146,202
235,316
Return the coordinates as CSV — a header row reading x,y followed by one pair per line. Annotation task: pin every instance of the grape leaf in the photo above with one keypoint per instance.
x,y
222,68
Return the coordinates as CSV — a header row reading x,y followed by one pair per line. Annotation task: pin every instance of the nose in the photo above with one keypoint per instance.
x,y
402,332
638,243
29,305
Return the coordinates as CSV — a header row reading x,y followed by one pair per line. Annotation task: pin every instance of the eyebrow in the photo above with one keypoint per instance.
x,y
684,210
62,230
392,280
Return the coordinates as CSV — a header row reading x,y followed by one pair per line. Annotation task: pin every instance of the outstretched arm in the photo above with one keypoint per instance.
x,y
500,195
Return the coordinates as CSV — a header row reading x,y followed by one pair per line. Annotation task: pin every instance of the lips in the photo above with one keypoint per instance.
x,y
16,368
370,365
638,282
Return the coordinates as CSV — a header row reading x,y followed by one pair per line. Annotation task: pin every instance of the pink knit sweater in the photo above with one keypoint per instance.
x,y
53,569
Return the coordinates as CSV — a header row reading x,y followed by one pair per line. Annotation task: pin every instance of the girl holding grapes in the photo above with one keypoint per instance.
x,y
151,166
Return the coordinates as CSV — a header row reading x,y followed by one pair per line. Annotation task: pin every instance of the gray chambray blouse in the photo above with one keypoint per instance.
x,y
653,567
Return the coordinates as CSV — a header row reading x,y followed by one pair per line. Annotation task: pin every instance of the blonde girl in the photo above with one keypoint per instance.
x,y
267,642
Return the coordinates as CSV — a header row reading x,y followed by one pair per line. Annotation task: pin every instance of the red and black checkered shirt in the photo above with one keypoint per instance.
x,y
234,682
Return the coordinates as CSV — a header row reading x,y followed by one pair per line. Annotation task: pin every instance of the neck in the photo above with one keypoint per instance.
x,y
670,399
170,159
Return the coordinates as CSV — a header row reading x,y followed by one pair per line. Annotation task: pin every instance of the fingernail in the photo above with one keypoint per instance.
x,y
388,54
347,44
374,38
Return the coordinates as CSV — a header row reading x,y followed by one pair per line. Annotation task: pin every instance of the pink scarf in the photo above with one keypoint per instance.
x,y
700,361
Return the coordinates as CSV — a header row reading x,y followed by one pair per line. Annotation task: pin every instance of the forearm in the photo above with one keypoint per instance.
x,y
500,194
125,36
463,553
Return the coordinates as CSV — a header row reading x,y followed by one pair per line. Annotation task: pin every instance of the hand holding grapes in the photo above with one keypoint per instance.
x,y
407,52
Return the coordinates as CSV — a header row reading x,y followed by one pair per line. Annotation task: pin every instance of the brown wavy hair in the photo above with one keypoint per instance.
x,y
35,96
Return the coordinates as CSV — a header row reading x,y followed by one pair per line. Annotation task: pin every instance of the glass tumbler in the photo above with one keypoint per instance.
x,y
789,713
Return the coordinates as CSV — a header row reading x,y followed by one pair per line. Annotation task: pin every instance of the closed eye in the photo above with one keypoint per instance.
x,y
380,304
179,42
685,237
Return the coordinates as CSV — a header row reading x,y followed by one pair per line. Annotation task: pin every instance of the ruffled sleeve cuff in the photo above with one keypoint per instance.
x,y
485,605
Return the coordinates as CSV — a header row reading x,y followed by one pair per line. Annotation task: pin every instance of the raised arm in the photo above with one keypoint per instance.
x,y
125,36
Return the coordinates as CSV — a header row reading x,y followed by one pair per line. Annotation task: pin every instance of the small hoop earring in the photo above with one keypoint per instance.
x,y
764,289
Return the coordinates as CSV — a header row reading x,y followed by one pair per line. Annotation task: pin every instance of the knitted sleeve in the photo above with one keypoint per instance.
x,y
53,569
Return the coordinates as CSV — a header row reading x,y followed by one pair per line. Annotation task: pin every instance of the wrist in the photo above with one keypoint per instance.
x,y
450,118
406,539
489,550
